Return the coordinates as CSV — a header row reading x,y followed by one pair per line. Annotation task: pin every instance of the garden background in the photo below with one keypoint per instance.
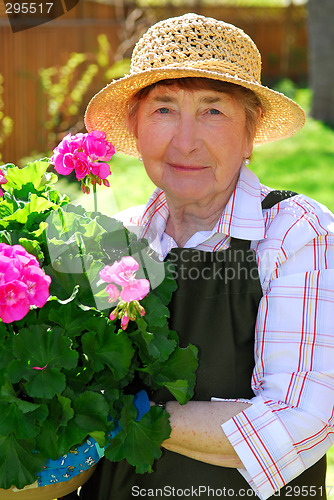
x,y
49,73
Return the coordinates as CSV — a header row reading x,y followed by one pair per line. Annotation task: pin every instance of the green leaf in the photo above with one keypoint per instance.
x,y
40,346
90,415
34,174
91,411
47,350
60,413
68,316
178,373
99,437
35,204
165,290
21,418
106,348
140,443
155,311
67,411
153,346
33,247
18,462
180,390
7,208
48,441
45,383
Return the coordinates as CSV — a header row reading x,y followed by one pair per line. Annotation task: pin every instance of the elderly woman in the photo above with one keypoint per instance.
x,y
254,268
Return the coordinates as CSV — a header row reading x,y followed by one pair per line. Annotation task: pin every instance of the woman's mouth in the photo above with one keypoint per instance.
x,y
187,168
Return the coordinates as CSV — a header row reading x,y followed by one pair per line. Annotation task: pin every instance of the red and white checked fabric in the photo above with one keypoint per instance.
x,y
290,424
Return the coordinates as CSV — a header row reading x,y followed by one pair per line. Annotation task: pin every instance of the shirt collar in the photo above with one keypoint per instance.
x,y
242,217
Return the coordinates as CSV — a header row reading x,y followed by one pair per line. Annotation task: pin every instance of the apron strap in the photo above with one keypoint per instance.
x,y
275,197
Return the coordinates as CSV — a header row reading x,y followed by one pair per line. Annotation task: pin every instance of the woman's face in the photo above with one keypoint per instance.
x,y
192,142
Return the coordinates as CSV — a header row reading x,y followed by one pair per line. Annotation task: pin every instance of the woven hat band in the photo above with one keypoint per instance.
x,y
198,42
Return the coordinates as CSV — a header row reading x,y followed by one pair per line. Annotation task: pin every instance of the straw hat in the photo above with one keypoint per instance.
x,y
191,46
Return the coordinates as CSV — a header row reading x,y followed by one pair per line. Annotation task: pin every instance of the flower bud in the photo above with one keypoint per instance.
x,y
124,321
113,315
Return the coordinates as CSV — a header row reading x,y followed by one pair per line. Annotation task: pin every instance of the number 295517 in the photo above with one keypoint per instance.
x,y
28,8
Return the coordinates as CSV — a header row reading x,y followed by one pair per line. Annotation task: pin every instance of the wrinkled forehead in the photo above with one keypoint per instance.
x,y
180,95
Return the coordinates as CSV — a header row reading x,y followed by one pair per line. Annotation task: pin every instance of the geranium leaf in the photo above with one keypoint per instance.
x,y
7,208
45,383
67,411
33,247
156,346
40,346
48,440
178,373
18,463
106,348
36,204
68,316
168,286
60,412
91,411
13,419
180,390
140,444
34,173
155,311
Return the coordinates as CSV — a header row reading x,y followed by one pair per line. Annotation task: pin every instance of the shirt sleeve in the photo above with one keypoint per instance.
x,y
290,424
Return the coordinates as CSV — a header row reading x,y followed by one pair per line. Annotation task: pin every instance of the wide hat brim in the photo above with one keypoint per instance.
x,y
107,110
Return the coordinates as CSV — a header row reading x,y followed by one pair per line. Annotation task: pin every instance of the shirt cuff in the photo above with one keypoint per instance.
x,y
264,447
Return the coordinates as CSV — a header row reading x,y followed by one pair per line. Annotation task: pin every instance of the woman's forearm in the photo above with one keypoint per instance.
x,y
197,433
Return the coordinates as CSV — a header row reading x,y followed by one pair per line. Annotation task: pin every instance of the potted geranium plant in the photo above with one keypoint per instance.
x,y
84,313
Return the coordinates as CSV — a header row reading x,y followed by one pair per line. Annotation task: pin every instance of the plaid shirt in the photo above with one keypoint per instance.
x,y
290,424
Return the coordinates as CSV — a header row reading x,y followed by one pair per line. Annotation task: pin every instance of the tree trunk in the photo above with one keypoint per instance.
x,y
321,58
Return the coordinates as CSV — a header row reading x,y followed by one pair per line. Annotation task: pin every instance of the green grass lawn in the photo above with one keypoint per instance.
x,y
303,163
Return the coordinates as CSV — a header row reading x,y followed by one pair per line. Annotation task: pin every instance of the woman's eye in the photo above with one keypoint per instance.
x,y
214,111
163,110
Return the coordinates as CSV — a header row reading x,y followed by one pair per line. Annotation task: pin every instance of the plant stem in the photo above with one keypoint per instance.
x,y
95,197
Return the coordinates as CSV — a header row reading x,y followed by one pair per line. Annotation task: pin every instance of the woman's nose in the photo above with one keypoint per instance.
x,y
186,135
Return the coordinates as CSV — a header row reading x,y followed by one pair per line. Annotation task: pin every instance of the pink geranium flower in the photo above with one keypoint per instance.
x,y
79,163
100,170
113,292
85,154
3,180
9,269
123,274
22,283
97,147
14,301
38,285
135,291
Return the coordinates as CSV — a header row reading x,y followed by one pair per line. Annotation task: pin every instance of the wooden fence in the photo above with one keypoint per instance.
x,y
280,35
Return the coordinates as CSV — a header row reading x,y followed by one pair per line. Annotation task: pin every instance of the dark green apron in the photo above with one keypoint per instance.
x,y
215,308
